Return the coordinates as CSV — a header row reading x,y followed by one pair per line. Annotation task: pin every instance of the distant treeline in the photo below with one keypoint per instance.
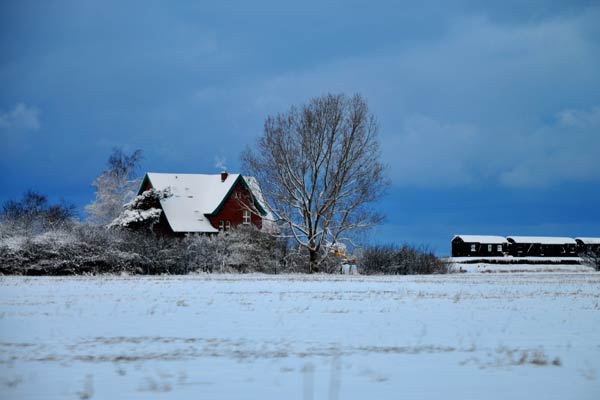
x,y
39,238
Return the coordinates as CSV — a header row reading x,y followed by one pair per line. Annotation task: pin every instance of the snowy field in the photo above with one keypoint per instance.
x,y
460,336
512,268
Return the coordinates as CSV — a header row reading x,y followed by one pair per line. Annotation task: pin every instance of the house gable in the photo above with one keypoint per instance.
x,y
239,185
230,212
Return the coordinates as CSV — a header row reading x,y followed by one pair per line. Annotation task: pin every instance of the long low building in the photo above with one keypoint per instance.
x,y
522,246
541,246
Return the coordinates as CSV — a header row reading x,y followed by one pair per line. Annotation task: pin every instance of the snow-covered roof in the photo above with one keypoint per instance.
x,y
589,240
268,220
481,239
541,239
193,196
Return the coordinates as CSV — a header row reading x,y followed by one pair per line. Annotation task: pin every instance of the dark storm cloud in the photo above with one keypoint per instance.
x,y
469,94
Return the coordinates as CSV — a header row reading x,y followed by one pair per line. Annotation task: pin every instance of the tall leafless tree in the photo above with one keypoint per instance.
x,y
319,169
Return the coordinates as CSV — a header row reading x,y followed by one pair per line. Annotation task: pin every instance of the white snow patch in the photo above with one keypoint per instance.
x,y
542,239
589,240
481,239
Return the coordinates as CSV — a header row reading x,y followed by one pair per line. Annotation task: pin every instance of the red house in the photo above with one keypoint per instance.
x,y
206,203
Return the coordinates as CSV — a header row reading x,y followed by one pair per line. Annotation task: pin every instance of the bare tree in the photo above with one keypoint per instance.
x,y
114,187
33,213
319,170
591,257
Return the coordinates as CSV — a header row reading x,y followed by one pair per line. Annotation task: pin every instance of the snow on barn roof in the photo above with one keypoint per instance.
x,y
588,240
541,239
481,239
193,197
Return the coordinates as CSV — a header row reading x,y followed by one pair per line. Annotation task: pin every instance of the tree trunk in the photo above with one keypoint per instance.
x,y
313,265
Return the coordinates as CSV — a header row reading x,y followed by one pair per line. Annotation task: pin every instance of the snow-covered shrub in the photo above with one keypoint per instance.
x,y
206,253
252,250
79,250
137,219
245,249
404,260
93,249
142,212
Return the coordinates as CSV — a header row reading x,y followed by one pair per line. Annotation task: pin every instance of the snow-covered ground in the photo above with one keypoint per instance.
x,y
518,260
460,336
518,264
512,268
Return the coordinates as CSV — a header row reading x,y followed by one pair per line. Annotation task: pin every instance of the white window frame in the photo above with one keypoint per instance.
x,y
473,248
490,248
499,248
221,225
227,225
246,218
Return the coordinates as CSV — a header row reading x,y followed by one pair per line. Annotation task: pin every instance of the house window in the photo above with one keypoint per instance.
x,y
489,248
246,217
473,248
221,225
499,248
227,225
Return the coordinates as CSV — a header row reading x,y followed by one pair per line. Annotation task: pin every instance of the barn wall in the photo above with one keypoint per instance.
x,y
163,228
542,250
463,249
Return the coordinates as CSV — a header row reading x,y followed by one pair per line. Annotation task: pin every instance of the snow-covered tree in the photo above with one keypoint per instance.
x,y
114,187
142,212
319,170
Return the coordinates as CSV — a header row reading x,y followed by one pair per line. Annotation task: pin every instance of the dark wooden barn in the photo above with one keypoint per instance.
x,y
478,246
541,246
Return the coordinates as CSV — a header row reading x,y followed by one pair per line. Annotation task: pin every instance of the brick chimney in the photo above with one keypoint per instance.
x,y
224,176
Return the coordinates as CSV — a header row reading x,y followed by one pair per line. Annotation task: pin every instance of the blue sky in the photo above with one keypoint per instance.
x,y
489,112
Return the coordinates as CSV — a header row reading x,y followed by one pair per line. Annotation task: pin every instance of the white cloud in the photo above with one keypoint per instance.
x,y
16,126
426,152
20,118
566,150
580,118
